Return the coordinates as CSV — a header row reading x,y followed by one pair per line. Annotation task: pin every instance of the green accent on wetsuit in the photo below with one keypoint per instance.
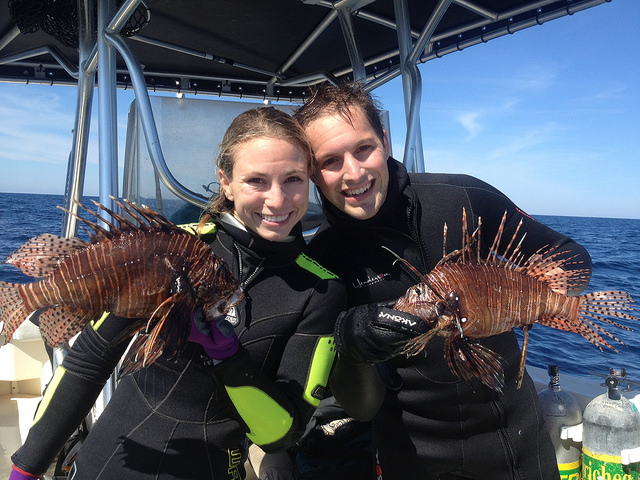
x,y
51,389
95,324
268,422
314,267
206,229
321,363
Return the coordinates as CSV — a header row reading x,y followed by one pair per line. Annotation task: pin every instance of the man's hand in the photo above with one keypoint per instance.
x,y
217,337
374,334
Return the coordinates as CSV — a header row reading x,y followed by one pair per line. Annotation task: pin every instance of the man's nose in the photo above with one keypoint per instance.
x,y
352,166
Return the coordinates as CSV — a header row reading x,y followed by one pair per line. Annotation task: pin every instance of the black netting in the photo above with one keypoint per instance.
x,y
28,14
61,21
59,18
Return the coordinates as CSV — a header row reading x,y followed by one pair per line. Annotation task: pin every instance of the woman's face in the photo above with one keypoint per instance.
x,y
269,187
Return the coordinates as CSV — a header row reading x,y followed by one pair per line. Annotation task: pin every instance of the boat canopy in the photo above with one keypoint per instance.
x,y
273,50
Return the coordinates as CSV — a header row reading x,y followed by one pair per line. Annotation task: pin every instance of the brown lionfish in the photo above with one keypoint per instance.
x,y
146,269
466,297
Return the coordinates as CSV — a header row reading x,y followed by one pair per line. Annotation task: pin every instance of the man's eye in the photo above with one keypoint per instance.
x,y
328,162
363,149
293,179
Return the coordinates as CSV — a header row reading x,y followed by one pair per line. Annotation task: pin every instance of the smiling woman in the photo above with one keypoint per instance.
x,y
269,186
258,373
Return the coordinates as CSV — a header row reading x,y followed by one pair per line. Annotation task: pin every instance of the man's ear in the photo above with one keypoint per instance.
x,y
385,143
224,185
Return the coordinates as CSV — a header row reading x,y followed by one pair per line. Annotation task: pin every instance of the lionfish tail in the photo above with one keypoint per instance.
x,y
596,307
12,311
469,360
604,306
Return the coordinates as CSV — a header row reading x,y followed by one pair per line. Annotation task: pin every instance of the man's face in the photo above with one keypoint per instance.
x,y
351,163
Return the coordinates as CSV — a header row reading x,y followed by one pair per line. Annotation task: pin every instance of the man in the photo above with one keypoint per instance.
x,y
427,424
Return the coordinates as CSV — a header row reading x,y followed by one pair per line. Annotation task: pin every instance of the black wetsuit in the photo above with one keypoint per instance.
x,y
185,418
435,423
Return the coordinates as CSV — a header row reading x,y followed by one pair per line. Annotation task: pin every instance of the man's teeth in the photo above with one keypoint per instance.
x,y
359,190
275,218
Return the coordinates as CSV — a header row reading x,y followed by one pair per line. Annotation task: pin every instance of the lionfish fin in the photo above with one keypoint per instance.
x,y
61,323
523,356
96,232
40,255
12,309
468,359
407,264
415,271
416,344
464,254
143,218
166,334
555,269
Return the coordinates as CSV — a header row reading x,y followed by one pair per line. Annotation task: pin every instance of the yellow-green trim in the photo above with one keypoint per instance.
x,y
207,228
321,363
96,324
314,267
268,422
51,388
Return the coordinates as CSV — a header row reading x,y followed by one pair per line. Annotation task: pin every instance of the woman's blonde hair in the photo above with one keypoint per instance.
x,y
256,123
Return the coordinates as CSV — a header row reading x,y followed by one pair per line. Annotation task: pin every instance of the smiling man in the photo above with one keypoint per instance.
x,y
427,423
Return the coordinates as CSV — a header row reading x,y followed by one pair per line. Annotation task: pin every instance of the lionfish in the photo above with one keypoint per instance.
x,y
144,268
466,297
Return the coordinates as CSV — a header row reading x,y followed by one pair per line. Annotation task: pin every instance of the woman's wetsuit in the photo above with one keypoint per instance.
x,y
185,418
435,423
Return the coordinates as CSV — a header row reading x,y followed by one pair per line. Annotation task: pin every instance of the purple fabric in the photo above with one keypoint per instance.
x,y
217,337
17,474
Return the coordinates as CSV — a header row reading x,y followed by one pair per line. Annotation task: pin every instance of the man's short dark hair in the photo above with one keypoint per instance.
x,y
329,99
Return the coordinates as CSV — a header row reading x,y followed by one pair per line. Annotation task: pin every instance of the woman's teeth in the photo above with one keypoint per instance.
x,y
275,218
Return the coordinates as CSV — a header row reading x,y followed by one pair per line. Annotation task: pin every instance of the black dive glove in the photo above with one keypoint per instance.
x,y
373,334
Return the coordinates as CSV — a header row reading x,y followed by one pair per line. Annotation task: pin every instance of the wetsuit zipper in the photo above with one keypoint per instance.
x,y
244,283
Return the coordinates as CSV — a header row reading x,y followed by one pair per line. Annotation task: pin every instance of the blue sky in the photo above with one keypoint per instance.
x,y
549,115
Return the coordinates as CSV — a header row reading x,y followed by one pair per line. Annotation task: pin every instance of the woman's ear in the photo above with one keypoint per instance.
x,y
225,185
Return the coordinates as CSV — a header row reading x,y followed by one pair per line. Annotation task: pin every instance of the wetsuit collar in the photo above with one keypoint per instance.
x,y
251,240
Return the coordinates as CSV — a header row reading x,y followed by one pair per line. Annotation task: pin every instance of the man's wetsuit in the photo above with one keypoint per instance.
x,y
435,423
185,418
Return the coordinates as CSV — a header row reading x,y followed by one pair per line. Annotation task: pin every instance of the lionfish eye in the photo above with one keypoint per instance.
x,y
417,291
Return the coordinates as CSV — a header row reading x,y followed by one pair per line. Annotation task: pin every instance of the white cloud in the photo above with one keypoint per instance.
x,y
469,121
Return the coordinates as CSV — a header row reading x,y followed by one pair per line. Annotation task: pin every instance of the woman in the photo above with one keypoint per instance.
x,y
257,374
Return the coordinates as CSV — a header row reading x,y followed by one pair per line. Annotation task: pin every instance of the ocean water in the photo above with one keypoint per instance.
x,y
614,245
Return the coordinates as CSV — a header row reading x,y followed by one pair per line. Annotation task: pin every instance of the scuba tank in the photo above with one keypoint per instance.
x,y
611,437
563,417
